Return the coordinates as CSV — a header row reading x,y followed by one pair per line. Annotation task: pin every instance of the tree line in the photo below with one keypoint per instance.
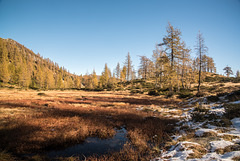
x,y
170,67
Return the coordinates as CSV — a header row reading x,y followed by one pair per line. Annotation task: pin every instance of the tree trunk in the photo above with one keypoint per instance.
x,y
200,70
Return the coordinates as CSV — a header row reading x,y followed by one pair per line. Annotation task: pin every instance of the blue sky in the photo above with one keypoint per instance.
x,y
83,35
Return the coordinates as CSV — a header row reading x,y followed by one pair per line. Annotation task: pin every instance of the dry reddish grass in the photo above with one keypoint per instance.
x,y
32,123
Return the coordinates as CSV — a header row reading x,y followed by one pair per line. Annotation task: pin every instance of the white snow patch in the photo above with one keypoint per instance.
x,y
176,137
217,111
223,97
236,102
236,126
177,152
211,156
237,141
236,122
139,108
219,144
173,110
208,157
209,126
218,157
181,150
176,116
187,116
201,131
231,155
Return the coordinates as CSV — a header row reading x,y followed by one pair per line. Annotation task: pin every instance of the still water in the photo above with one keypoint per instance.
x,y
94,145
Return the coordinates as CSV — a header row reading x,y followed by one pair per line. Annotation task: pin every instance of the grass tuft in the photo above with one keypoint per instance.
x,y
232,110
4,156
41,94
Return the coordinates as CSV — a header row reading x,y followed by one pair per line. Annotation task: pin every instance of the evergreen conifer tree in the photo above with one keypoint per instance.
x,y
228,71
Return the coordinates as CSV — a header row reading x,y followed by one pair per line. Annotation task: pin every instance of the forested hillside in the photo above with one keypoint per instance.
x,y
21,66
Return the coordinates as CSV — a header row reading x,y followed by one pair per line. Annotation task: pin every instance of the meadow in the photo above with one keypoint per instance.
x,y
34,123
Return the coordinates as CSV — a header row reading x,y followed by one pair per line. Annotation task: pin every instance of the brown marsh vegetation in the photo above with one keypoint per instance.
x,y
33,123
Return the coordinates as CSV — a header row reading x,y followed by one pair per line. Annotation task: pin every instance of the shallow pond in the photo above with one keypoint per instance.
x,y
94,145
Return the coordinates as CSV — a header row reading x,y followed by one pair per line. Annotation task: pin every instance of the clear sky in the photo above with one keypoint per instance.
x,y
83,35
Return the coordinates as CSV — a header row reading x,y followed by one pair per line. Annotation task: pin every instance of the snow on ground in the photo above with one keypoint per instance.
x,y
200,132
218,111
236,102
217,157
186,150
236,126
167,112
219,144
181,151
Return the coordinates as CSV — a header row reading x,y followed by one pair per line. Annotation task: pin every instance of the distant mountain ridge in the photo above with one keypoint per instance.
x,y
21,66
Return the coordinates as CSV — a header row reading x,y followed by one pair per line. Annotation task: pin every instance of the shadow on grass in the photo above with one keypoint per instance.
x,y
15,136
131,101
64,125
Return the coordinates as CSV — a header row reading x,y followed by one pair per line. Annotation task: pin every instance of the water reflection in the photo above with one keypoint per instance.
x,y
94,145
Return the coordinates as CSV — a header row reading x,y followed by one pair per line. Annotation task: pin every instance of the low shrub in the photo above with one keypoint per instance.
x,y
155,92
229,79
138,81
185,94
201,109
213,88
4,156
222,85
225,122
219,90
213,99
221,94
211,79
133,91
170,94
41,94
148,85
232,110
234,96
98,89
200,94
